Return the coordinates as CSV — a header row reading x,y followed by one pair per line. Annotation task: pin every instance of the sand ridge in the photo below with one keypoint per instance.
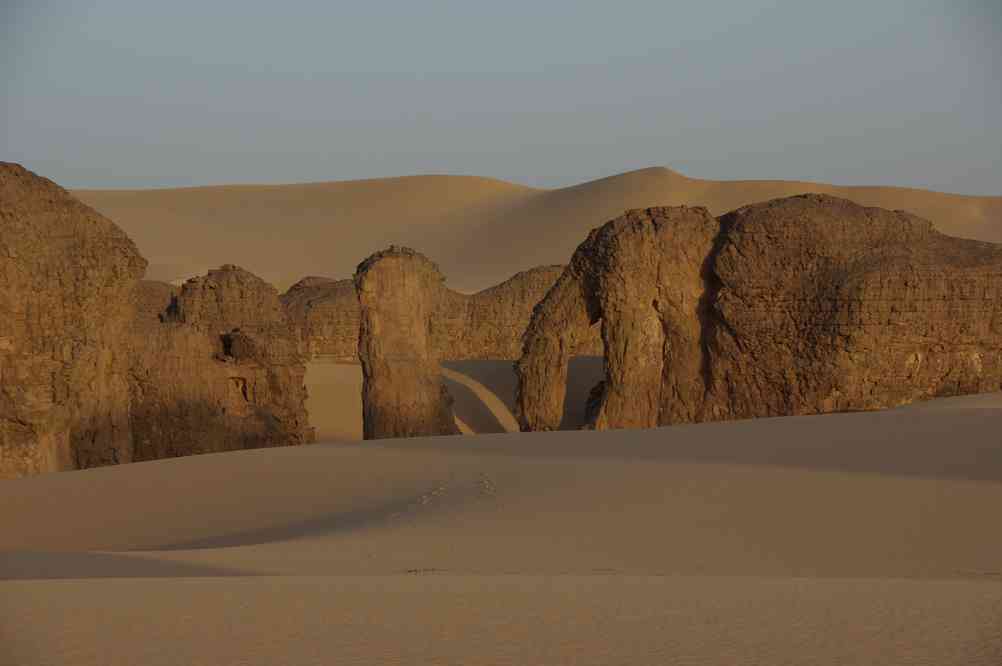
x,y
480,231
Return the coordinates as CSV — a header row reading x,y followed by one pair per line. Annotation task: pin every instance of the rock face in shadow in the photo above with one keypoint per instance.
x,y
218,369
67,293
403,394
98,367
485,325
800,305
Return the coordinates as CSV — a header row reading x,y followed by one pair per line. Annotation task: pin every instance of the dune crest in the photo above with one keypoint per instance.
x,y
480,231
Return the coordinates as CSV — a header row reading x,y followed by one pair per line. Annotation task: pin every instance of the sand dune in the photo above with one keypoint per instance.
x,y
480,231
850,536
479,620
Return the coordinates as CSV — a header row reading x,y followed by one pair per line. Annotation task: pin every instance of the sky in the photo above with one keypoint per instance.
x,y
130,93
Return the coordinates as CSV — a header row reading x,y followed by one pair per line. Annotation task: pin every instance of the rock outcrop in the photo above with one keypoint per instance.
x,y
324,315
800,305
67,295
403,394
823,305
98,367
485,325
218,369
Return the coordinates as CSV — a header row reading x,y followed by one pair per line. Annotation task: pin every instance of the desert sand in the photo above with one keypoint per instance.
x,y
855,538
850,538
480,231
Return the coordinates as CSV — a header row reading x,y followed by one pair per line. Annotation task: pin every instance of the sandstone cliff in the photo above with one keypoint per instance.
x,y
403,394
67,295
800,305
485,325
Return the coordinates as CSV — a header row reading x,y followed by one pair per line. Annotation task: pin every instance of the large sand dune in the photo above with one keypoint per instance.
x,y
480,231
851,538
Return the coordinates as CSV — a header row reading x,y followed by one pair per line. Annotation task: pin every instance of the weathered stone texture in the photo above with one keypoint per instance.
x,y
491,322
226,298
824,305
67,282
98,368
795,306
642,276
324,314
211,375
485,325
403,394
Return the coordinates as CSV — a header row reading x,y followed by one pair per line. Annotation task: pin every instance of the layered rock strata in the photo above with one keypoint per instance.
x,y
800,305
403,394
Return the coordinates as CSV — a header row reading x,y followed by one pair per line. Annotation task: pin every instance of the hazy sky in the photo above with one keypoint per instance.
x,y
132,93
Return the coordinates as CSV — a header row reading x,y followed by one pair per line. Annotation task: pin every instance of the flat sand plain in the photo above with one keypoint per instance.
x,y
864,538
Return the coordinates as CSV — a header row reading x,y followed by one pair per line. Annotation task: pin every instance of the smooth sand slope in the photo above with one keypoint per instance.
x,y
850,538
480,231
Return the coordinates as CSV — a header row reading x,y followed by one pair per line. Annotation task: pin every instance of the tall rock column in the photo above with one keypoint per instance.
x,y
403,394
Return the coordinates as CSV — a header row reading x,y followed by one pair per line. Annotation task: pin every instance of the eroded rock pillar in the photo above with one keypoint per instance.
x,y
403,394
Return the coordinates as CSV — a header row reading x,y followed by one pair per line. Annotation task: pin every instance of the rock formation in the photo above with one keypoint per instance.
x,y
643,276
824,305
800,305
97,367
489,324
324,314
67,290
485,325
218,369
403,394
